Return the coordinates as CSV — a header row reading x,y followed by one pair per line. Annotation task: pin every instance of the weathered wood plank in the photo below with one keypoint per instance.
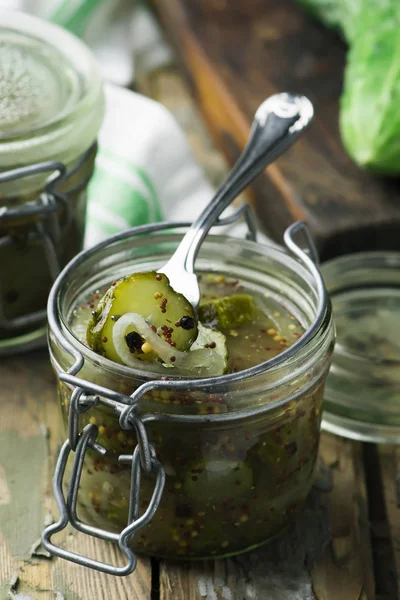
x,y
325,556
237,53
389,458
30,433
345,570
24,454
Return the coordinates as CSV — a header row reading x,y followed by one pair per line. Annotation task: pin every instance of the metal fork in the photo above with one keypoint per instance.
x,y
278,122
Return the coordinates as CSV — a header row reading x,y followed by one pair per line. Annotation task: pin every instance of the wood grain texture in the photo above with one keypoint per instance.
x,y
237,53
389,458
345,570
30,435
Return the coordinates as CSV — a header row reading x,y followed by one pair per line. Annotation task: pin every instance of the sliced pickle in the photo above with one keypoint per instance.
x,y
151,296
228,312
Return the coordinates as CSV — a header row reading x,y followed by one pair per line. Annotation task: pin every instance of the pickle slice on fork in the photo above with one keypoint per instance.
x,y
169,314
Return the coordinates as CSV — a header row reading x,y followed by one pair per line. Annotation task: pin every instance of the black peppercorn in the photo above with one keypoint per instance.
x,y
187,323
134,341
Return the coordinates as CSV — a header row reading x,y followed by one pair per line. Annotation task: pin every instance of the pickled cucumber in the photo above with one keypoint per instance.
x,y
273,450
151,296
217,480
228,312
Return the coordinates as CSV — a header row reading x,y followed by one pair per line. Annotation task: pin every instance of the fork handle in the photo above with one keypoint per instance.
x,y
277,124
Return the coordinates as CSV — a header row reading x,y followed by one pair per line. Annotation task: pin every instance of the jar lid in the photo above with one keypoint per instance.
x,y
362,394
51,101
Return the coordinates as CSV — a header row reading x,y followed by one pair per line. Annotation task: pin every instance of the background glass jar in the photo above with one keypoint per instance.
x,y
51,108
362,398
238,450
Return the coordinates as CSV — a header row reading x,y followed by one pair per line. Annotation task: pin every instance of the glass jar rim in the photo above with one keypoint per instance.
x,y
78,350
56,138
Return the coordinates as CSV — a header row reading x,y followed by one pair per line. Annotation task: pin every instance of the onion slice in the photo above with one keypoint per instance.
x,y
161,347
201,362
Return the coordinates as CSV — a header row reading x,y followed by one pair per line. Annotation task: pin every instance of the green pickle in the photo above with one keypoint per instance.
x,y
232,485
231,311
151,296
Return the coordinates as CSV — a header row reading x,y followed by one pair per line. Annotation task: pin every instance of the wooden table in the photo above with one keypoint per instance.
x,y
346,545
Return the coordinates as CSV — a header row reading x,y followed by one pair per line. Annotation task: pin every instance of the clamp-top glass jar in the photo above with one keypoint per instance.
x,y
180,467
51,108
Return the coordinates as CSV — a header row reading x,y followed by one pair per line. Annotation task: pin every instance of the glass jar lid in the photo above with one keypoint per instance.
x,y
51,101
362,395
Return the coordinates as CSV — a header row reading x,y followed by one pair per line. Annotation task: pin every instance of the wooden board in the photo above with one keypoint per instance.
x,y
236,53
30,434
387,528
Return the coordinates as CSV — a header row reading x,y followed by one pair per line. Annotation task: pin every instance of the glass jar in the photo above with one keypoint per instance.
x,y
362,397
51,108
227,460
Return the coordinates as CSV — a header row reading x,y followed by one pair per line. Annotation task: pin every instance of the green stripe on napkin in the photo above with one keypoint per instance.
x,y
120,195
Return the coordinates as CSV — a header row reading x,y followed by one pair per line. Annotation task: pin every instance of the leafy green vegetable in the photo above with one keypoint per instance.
x,y
370,115
369,110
